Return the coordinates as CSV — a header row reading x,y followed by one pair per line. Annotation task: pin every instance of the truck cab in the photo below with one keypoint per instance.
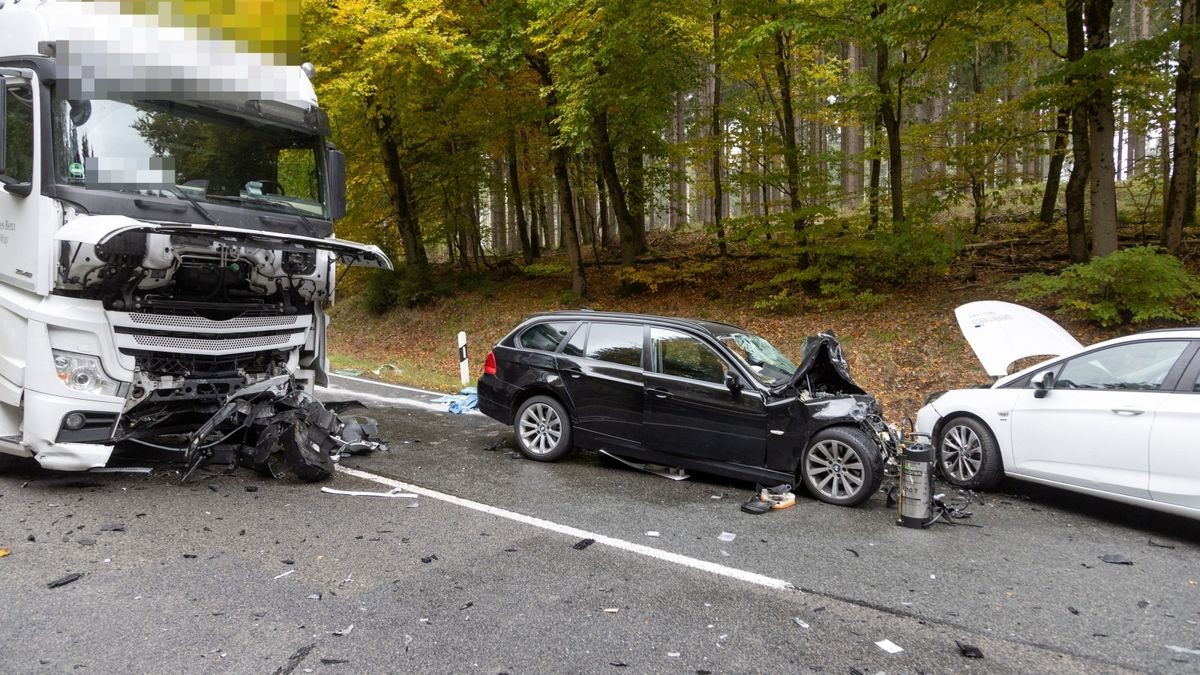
x,y
166,240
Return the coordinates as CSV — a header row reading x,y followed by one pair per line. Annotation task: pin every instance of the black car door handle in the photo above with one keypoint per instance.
x,y
660,393
574,371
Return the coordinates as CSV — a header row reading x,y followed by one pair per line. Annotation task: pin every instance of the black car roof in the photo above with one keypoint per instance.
x,y
712,328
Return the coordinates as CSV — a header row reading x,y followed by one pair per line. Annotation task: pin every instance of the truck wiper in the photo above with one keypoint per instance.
x,y
203,212
259,201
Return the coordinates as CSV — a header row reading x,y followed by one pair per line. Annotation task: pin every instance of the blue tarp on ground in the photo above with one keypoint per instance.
x,y
466,399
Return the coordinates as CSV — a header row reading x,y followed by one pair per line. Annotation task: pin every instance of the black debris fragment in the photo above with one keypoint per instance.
x,y
31,538
86,541
113,527
469,605
583,543
856,555
618,664
212,487
295,659
288,561
1158,545
65,579
333,662
969,651
1073,611
1116,559
189,556
756,505
251,488
1143,604
514,455
429,558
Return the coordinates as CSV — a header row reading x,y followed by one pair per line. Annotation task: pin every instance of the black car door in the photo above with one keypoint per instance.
x,y
690,411
602,373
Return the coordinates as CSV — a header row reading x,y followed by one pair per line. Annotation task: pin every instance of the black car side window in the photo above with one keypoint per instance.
x,y
616,343
545,336
682,355
574,346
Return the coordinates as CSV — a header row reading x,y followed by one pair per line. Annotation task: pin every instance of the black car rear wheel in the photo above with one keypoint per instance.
x,y
841,466
543,429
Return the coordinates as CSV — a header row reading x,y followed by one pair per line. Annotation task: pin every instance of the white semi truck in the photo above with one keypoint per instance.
x,y
166,253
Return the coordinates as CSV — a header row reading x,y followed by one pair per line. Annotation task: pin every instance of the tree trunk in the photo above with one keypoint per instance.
x,y
852,145
496,205
400,191
889,112
876,178
1054,173
1102,174
791,158
1076,194
678,217
528,248
718,137
1181,195
616,192
636,196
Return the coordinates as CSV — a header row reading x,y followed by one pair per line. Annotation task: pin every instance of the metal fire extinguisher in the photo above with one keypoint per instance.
x,y
916,485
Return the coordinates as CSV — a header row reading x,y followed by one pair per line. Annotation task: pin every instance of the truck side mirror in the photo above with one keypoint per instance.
x,y
337,184
3,124
1043,385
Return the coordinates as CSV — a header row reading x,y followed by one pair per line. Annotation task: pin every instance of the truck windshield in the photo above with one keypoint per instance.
x,y
172,150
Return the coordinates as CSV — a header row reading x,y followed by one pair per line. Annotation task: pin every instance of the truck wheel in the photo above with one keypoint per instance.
x,y
543,429
841,466
309,459
968,455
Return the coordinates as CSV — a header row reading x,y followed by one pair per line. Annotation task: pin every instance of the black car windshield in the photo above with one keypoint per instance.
x,y
767,363
174,150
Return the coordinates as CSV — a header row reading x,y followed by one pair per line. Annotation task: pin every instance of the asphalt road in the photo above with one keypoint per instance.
x,y
482,573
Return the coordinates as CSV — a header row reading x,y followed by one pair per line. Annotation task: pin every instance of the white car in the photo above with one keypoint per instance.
x,y
1119,419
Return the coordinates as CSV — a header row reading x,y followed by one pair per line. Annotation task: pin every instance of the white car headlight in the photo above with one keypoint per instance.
x,y
85,373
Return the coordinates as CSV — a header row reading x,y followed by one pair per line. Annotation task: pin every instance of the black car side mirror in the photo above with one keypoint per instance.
x,y
1043,386
732,382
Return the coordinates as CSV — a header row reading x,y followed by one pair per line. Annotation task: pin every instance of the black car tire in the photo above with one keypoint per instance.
x,y
841,466
542,429
968,455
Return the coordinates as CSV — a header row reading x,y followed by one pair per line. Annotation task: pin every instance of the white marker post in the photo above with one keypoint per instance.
x,y
464,369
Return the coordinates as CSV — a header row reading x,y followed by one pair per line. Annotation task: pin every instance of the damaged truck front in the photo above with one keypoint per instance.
x,y
166,250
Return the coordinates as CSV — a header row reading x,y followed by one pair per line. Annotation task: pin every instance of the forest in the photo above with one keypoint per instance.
x,y
840,146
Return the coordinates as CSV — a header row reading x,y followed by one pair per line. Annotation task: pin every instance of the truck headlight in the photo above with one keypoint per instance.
x,y
85,373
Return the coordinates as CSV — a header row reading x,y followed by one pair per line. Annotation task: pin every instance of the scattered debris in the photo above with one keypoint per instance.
x,y
618,664
113,527
800,622
1143,604
469,605
1116,559
429,558
756,505
889,646
314,596
120,469
1158,545
727,536
671,472
856,555
652,533
343,632
969,651
4,553
583,543
1183,650
394,492
611,610
1073,611
189,556
280,576
251,488
456,404
295,659
65,579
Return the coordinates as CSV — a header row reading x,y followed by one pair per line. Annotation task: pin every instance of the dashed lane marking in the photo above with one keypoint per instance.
x,y
657,554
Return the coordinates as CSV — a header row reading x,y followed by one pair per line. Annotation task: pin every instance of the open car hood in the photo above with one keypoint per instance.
x,y
1000,333
823,367
99,230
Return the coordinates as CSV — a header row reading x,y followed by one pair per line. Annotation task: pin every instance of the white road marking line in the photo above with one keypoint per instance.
x,y
657,554
388,384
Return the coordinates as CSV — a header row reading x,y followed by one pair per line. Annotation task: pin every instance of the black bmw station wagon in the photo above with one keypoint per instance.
x,y
699,395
